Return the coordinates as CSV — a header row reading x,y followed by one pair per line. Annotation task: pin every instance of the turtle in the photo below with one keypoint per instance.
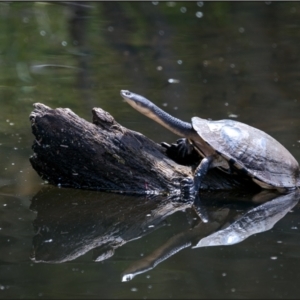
x,y
229,145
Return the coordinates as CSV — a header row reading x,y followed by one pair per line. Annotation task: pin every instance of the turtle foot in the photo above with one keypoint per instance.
x,y
185,148
182,152
190,193
187,187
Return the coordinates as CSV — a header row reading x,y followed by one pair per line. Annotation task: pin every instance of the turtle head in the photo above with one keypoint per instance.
x,y
138,102
147,108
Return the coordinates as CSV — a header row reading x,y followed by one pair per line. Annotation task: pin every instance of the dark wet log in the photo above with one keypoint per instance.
x,y
72,152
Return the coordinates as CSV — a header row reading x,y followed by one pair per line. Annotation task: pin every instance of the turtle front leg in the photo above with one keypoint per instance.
x,y
185,148
201,171
190,186
182,152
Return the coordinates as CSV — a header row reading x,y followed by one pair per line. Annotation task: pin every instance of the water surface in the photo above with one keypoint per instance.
x,y
214,60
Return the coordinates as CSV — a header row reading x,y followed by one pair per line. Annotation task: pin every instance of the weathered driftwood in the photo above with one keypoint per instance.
x,y
72,152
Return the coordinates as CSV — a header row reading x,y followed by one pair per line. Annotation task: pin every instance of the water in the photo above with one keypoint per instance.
x,y
215,60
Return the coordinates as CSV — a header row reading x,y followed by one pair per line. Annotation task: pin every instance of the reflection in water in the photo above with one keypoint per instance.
x,y
256,220
259,219
239,60
80,221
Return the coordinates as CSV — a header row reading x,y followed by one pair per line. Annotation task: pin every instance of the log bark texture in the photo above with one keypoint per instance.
x,y
72,152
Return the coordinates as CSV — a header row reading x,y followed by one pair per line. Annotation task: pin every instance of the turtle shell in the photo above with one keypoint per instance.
x,y
250,149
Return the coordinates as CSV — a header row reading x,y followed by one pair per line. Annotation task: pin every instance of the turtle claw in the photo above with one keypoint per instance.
x,y
184,147
187,188
165,145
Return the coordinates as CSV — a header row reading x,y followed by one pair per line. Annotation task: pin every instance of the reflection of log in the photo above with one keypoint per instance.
x,y
76,222
72,152
71,222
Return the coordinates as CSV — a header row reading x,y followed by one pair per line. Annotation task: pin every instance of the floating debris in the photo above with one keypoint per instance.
x,y
199,14
172,80
233,116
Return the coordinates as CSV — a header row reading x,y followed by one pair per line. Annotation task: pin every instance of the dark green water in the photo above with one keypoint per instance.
x,y
212,59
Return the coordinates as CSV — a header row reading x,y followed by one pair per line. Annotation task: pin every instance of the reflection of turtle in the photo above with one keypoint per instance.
x,y
229,145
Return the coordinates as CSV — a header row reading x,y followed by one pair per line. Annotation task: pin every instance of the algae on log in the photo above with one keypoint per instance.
x,y
72,152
